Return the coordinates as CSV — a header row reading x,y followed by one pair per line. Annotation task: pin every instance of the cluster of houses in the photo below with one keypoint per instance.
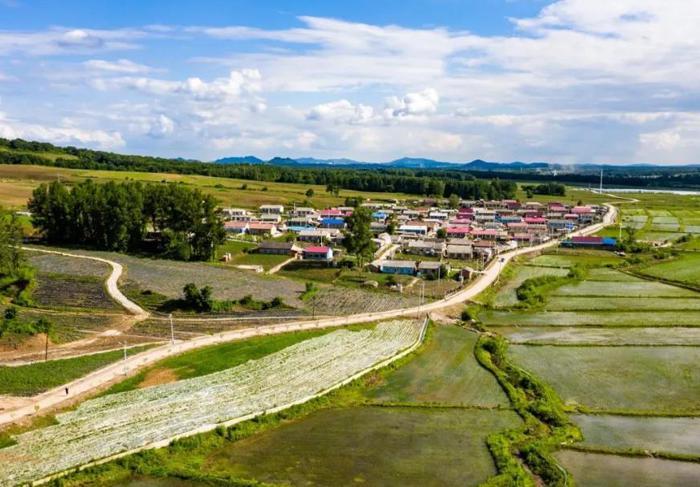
x,y
475,230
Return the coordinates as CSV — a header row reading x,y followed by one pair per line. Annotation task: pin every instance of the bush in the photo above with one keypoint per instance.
x,y
198,299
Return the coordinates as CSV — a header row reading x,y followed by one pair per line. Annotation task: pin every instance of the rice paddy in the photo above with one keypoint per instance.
x,y
445,372
599,470
656,434
618,378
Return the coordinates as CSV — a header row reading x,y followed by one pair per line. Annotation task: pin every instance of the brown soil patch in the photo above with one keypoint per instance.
x,y
158,376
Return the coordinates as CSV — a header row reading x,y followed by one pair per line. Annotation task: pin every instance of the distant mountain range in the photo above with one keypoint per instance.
x,y
475,165
403,163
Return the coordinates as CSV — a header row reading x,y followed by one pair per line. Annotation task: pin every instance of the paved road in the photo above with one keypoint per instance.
x,y
105,375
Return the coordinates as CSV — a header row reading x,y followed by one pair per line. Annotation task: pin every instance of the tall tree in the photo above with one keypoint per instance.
x,y
358,236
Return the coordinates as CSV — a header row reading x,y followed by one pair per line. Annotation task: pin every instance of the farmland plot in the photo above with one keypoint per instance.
x,y
506,295
126,421
598,470
65,291
60,264
685,268
444,372
618,378
657,434
576,303
591,318
642,289
376,446
541,335
345,301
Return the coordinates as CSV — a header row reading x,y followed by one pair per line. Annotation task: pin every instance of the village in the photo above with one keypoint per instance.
x,y
430,239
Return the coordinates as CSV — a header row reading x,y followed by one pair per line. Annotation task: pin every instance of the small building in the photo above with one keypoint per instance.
x,y
605,243
236,214
278,248
338,223
431,269
236,227
458,231
404,267
302,212
414,229
461,252
320,235
272,209
270,218
421,247
318,253
260,228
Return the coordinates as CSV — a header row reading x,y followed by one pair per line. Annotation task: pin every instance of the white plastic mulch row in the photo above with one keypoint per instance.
x,y
127,421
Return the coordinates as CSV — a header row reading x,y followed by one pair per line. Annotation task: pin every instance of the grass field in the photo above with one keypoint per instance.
x,y
671,435
618,378
18,181
598,470
564,258
444,372
27,380
540,335
370,445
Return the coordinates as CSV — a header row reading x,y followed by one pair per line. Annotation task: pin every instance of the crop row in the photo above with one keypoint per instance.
x,y
123,422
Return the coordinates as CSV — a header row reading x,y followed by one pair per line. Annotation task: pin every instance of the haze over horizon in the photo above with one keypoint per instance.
x,y
568,81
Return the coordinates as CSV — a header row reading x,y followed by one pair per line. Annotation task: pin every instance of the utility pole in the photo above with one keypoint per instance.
x,y
172,330
46,347
124,343
601,182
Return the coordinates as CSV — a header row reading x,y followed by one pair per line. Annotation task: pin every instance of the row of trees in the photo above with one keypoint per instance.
x,y
170,219
553,189
16,276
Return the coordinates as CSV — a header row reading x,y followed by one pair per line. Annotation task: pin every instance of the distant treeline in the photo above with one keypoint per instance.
x,y
438,183
169,219
553,189
469,184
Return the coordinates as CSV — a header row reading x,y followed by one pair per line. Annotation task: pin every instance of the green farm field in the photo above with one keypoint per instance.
x,y
685,268
27,380
506,295
445,372
373,445
618,378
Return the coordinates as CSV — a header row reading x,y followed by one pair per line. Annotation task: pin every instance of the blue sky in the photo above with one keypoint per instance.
x,y
564,81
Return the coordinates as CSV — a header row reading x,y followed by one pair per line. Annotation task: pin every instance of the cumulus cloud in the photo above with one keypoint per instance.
x,y
341,111
237,83
421,103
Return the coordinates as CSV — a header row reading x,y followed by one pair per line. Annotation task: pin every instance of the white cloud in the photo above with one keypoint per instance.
x,y
100,139
118,66
237,83
341,111
68,41
421,103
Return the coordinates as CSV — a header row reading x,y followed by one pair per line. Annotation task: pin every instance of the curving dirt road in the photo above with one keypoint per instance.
x,y
107,374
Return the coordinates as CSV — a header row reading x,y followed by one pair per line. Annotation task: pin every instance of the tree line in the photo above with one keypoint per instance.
x,y
164,218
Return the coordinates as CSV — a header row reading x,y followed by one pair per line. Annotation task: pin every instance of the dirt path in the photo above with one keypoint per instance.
x,y
136,362
111,284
